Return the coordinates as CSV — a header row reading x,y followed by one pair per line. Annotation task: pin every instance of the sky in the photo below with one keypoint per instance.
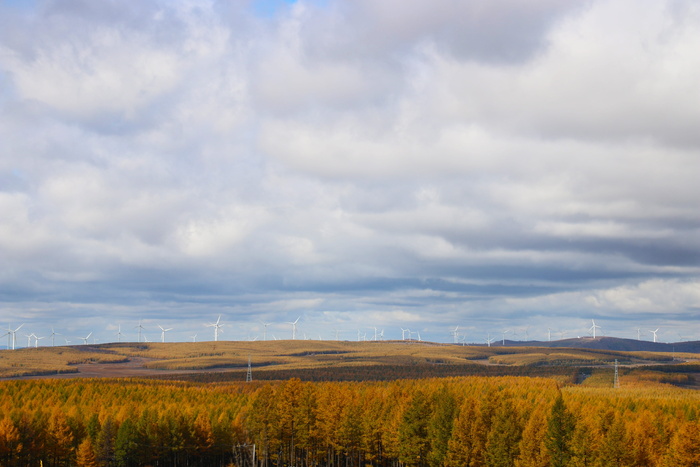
x,y
361,165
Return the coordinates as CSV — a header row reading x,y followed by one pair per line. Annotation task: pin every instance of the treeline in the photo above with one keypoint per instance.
x,y
382,373
466,421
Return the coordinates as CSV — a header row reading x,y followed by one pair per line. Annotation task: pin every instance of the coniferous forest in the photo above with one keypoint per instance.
x,y
465,421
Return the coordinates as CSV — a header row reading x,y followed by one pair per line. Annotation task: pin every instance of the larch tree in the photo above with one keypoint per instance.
x,y
413,431
86,454
560,429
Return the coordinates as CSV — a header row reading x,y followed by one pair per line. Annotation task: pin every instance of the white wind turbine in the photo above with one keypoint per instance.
x,y
53,336
36,341
503,342
265,325
549,334
29,339
294,327
216,327
455,334
654,333
162,332
85,339
140,328
119,333
489,339
403,334
638,332
594,327
194,338
14,335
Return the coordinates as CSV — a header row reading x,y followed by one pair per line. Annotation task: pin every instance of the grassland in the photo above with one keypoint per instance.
x,y
338,360
50,360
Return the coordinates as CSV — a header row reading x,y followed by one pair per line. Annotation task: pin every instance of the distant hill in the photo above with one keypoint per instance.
x,y
612,343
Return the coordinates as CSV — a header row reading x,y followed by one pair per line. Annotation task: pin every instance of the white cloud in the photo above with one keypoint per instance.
x,y
373,161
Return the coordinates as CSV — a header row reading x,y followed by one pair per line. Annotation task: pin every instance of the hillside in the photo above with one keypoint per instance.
x,y
613,343
330,360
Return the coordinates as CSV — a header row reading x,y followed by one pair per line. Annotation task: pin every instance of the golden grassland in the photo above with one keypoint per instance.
x,y
50,360
304,354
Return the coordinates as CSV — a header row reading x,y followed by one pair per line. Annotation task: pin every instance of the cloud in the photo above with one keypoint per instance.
x,y
357,163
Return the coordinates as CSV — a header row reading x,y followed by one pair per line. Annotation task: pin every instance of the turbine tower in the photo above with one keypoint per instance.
x,y
194,338
162,332
265,325
216,327
454,333
13,332
119,334
85,339
594,327
489,339
654,333
503,342
140,328
294,327
53,337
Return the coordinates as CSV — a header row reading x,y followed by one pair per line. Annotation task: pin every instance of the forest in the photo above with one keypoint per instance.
x,y
455,421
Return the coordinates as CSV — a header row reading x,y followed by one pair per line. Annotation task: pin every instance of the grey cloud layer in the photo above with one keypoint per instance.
x,y
357,162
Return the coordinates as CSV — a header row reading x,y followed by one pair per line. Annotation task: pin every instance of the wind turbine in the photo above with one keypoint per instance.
x,y
403,334
594,327
85,339
29,339
638,330
294,327
654,333
216,327
162,332
36,341
265,325
119,334
194,338
14,334
140,328
489,339
454,334
53,336
549,334
504,337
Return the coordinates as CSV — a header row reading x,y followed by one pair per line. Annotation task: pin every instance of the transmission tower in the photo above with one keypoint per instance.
x,y
616,380
249,375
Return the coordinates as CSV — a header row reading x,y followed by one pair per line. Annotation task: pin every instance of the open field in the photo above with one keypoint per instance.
x,y
341,360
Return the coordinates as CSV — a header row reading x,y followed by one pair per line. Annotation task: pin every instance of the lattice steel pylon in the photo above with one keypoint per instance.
x,y
616,380
249,375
